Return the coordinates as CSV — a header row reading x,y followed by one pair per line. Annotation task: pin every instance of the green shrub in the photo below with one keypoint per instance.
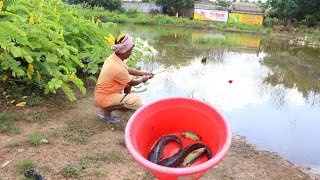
x,y
7,124
132,13
74,171
36,138
23,165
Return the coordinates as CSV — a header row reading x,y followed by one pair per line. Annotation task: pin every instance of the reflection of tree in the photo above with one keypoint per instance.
x,y
295,67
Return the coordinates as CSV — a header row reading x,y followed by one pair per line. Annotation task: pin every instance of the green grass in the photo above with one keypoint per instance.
x,y
104,156
36,138
57,133
136,17
34,100
216,42
79,131
46,169
36,118
23,165
13,144
75,171
100,172
7,124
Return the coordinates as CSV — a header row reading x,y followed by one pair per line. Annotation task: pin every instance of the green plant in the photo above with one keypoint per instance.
x,y
216,42
74,171
7,124
23,165
132,13
104,156
100,172
13,143
269,30
79,131
36,118
44,43
34,100
46,168
36,138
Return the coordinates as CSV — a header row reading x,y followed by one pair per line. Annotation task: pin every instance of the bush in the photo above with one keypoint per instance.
x,y
132,13
7,124
36,138
44,43
24,165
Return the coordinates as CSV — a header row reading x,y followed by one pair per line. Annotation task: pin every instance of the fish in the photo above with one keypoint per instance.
x,y
193,157
191,135
156,153
177,159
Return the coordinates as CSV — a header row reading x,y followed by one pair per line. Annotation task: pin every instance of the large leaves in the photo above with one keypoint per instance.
x,y
43,41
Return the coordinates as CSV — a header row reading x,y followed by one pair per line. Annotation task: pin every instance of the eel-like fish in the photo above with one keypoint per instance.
x,y
177,159
156,152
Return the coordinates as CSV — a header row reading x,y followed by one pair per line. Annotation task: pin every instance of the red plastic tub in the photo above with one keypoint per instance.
x,y
171,116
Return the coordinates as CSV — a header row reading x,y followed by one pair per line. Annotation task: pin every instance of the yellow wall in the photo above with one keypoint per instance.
x,y
245,18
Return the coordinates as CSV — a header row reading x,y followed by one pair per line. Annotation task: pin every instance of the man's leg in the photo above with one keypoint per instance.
x,y
107,111
127,89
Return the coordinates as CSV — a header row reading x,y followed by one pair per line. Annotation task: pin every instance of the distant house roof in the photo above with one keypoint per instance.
x,y
245,7
205,4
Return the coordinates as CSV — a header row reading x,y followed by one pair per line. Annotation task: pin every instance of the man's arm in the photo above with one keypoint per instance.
x,y
136,72
135,82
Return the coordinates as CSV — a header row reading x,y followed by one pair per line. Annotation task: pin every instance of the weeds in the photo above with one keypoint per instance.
x,y
108,157
46,168
37,138
58,133
216,42
13,144
36,118
24,165
78,131
7,124
100,172
75,171
35,100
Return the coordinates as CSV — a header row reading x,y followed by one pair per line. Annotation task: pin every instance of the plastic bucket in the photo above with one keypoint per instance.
x,y
171,116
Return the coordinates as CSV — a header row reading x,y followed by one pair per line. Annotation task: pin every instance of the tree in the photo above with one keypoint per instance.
x,y
295,9
171,7
111,5
284,10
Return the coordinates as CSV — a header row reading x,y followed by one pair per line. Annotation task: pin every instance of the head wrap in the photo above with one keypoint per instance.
x,y
125,45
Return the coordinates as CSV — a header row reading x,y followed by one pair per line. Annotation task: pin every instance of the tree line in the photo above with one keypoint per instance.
x,y
285,10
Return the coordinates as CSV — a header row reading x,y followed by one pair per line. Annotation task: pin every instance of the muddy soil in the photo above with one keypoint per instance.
x,y
94,149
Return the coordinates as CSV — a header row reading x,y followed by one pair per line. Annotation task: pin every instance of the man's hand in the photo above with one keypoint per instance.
x,y
144,78
149,74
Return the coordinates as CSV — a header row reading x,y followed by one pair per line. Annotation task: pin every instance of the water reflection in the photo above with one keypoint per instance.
x,y
275,95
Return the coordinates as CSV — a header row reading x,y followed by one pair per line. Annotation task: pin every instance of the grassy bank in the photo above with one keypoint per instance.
x,y
136,17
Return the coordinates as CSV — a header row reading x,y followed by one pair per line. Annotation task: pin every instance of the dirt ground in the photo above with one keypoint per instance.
x,y
96,150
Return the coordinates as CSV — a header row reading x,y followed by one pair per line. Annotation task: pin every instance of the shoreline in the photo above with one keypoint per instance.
x,y
105,148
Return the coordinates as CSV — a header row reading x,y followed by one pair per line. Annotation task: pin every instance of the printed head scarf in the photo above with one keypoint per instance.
x,y
125,45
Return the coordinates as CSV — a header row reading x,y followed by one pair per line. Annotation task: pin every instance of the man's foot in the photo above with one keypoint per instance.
x,y
110,119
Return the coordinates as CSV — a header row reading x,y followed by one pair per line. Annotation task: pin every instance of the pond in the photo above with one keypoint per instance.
x,y
267,88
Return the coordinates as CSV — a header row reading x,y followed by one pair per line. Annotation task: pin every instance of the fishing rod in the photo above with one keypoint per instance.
x,y
164,70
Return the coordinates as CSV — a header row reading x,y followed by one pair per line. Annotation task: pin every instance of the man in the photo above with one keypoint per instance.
x,y
112,91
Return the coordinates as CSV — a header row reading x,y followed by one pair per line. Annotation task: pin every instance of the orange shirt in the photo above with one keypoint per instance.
x,y
112,80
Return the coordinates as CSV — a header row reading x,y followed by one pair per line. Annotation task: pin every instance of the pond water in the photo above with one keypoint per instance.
x,y
273,98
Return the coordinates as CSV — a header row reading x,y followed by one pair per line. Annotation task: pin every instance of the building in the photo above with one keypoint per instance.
x,y
206,10
245,13
141,6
